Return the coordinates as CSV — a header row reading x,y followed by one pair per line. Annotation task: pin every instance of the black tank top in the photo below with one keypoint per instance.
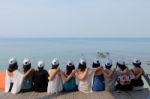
x,y
40,81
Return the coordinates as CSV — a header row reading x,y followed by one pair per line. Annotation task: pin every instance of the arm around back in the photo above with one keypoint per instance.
x,y
80,75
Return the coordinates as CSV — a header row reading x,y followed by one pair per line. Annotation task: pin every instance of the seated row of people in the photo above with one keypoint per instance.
x,y
27,80
55,80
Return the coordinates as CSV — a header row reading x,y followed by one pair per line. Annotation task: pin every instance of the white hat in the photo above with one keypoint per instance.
x,y
108,62
26,62
55,61
41,64
82,61
69,63
12,61
96,61
136,61
121,62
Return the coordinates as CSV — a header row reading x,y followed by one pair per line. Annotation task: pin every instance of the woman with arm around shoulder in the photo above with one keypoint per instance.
x,y
14,77
110,76
124,77
55,81
27,84
138,71
98,79
40,78
69,77
85,76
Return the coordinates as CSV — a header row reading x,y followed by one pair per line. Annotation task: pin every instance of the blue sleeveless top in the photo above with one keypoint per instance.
x,y
70,85
98,83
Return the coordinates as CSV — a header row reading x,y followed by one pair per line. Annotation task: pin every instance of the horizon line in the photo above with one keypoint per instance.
x,y
75,37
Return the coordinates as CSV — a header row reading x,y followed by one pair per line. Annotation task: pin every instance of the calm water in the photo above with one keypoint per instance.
x,y
74,48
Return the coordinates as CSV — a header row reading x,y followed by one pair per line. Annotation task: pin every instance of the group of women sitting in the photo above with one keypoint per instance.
x,y
55,80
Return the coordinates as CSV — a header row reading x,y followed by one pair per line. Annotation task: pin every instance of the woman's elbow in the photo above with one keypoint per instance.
x,y
49,78
65,80
81,78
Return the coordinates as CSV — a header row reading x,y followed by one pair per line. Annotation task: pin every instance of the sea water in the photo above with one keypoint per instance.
x,y
74,49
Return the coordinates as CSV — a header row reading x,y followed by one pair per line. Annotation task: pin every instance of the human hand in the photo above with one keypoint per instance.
x,y
73,72
114,69
58,69
48,78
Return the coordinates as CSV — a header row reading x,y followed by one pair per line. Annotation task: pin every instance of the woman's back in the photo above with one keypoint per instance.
x,y
137,70
27,84
110,81
138,81
54,85
86,84
70,85
98,81
99,72
16,78
125,79
69,77
40,80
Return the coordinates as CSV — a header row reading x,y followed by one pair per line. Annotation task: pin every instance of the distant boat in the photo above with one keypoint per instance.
x,y
103,54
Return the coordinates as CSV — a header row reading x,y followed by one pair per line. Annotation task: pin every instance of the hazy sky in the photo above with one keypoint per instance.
x,y
74,18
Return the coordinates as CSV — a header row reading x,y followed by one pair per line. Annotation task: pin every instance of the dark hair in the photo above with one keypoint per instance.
x,y
40,68
137,65
122,67
55,66
26,68
96,65
82,67
108,67
69,69
12,67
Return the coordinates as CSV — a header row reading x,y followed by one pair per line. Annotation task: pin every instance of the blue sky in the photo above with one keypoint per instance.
x,y
74,18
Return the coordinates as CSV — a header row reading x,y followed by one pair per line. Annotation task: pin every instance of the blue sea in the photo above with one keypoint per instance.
x,y
74,49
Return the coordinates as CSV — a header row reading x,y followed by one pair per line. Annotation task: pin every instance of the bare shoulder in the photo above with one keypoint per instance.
x,y
50,71
9,73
